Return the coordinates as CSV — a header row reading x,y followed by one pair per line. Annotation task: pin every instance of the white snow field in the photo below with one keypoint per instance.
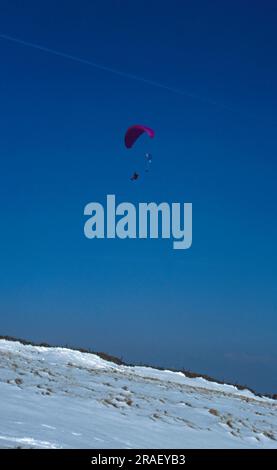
x,y
59,398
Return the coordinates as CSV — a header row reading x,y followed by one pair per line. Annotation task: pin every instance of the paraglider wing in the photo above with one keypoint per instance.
x,y
134,132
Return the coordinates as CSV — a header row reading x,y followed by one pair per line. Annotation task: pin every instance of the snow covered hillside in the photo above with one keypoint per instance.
x,y
59,398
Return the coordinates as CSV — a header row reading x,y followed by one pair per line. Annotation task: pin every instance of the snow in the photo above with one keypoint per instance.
x,y
59,398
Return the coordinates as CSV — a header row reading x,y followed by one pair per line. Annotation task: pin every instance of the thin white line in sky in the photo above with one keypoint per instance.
x,y
127,75
105,68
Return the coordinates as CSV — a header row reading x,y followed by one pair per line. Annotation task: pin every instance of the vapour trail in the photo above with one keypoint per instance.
x,y
105,68
121,73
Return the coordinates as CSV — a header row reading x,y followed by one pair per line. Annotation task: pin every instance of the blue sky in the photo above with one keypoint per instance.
x,y
212,308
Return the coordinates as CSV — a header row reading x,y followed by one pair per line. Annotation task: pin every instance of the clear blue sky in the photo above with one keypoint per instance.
x,y
212,308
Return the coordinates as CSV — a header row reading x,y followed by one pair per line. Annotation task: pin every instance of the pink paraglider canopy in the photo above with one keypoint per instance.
x,y
134,132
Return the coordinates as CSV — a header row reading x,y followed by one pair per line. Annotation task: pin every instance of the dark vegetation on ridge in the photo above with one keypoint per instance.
x,y
119,361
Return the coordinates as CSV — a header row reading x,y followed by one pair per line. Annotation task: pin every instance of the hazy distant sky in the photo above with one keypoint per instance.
x,y
211,308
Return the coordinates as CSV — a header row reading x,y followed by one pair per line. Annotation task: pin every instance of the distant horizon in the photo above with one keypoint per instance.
x,y
124,361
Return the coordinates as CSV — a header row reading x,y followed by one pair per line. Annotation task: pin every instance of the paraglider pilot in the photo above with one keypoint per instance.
x,y
135,176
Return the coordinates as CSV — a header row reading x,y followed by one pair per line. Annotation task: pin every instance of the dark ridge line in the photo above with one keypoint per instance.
x,y
119,361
